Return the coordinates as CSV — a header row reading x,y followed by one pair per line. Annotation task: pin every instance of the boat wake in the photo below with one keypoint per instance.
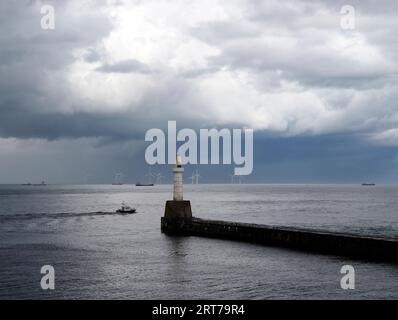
x,y
34,216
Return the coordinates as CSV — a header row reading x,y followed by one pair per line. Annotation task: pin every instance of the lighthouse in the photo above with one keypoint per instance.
x,y
178,170
178,211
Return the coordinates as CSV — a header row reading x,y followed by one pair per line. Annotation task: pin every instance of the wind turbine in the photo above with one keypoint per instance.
x,y
159,178
87,178
118,179
150,175
192,177
197,176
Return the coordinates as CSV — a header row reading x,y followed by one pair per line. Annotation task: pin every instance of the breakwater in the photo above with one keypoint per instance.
x,y
355,246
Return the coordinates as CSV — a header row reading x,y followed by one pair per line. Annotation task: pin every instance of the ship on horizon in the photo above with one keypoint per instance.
x,y
43,183
150,175
138,184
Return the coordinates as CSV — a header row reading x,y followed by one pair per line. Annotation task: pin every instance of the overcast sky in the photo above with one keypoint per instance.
x,y
75,102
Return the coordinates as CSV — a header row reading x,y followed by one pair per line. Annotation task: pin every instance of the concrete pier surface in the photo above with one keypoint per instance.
x,y
342,244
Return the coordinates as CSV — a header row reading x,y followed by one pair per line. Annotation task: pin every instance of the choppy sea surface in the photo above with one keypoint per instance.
x,y
110,256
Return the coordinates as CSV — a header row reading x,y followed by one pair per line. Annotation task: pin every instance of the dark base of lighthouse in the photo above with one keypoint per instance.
x,y
177,214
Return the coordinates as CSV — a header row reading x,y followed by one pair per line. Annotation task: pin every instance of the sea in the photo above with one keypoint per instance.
x,y
100,255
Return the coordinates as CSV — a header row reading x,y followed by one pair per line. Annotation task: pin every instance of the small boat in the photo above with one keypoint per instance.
x,y
368,184
125,209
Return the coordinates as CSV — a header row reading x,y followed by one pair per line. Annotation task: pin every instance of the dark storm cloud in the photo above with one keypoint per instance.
x,y
336,158
274,41
52,126
32,83
31,64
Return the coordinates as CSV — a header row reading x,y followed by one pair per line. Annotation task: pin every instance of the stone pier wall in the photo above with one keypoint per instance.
x,y
355,246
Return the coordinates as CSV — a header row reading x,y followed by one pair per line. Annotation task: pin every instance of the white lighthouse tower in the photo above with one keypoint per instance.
x,y
178,170
177,212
